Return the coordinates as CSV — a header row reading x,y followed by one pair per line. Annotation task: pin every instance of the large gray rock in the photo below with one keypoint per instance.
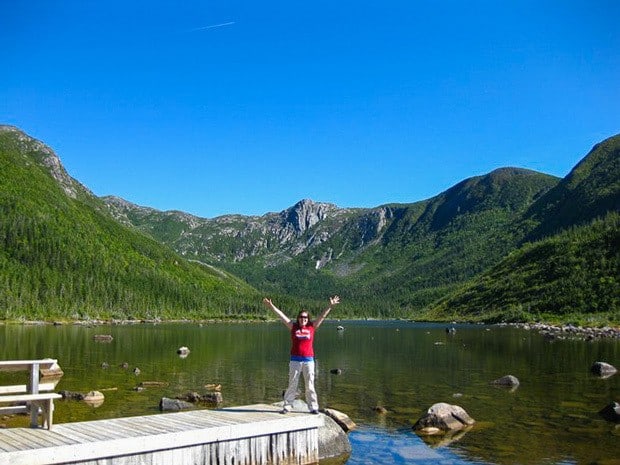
x,y
333,441
298,405
442,417
342,419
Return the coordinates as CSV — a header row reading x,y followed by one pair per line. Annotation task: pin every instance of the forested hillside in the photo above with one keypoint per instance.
x,y
63,256
569,265
570,277
399,260
387,261
589,191
510,245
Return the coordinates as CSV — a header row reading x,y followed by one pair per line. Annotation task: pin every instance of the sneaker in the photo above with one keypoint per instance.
x,y
314,412
284,411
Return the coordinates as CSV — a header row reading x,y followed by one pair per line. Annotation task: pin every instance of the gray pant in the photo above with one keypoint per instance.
x,y
295,370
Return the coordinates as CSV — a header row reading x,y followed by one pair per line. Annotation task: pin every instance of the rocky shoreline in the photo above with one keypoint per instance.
x,y
550,331
570,331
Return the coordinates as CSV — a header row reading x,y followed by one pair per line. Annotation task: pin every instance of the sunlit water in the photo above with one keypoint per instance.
x,y
404,367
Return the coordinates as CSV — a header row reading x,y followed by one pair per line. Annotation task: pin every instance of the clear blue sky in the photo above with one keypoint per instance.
x,y
216,107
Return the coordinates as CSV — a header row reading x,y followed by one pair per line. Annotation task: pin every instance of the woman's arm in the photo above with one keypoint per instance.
x,y
332,301
286,320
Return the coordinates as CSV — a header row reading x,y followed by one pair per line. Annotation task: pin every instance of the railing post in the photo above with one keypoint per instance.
x,y
33,388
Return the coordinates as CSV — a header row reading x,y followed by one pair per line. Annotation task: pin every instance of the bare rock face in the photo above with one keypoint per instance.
x,y
306,213
443,417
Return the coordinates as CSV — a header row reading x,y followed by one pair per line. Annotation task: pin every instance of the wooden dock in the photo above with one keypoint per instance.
x,y
248,435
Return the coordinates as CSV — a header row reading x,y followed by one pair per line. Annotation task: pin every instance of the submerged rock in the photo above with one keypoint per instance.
x,y
214,397
508,381
172,405
71,395
611,412
94,398
153,384
603,369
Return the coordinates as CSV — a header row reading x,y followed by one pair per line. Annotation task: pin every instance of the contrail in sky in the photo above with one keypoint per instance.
x,y
213,26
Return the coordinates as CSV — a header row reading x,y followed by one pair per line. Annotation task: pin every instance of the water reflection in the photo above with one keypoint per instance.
x,y
552,417
397,447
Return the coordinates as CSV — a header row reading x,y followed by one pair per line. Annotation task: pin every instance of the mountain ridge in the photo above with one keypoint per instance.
x,y
394,260
409,254
347,243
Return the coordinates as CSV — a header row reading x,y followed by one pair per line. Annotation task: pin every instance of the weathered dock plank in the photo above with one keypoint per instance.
x,y
249,435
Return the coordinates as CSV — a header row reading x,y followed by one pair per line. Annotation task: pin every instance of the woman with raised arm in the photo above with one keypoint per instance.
x,y
302,353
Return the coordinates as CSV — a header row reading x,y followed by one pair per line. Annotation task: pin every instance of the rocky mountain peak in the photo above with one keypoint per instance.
x,y
306,213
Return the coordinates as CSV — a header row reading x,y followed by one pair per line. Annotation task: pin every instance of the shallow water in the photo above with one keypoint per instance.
x,y
404,367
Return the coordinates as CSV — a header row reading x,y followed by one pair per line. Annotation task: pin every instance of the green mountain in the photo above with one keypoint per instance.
x,y
513,244
571,268
392,260
62,255
405,260
589,191
569,277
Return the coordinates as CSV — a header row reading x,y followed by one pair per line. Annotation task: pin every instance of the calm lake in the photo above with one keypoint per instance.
x,y
551,418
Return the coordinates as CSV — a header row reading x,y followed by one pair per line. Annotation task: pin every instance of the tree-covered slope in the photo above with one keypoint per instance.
x,y
569,263
589,191
431,246
399,259
63,255
470,252
573,275
389,260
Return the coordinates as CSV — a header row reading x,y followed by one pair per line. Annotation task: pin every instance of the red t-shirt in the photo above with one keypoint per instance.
x,y
302,339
